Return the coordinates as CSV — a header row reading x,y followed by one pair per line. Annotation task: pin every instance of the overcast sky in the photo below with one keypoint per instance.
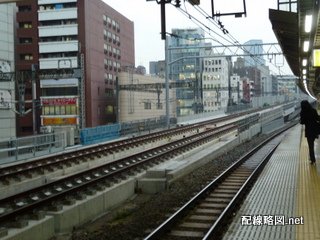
x,y
147,22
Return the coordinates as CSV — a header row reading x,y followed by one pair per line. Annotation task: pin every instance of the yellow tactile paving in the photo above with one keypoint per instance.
x,y
308,195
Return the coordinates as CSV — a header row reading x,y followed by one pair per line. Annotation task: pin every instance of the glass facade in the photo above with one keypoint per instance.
x,y
185,51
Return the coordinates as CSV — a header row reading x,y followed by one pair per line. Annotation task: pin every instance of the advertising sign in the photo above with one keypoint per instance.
x,y
60,121
59,101
5,99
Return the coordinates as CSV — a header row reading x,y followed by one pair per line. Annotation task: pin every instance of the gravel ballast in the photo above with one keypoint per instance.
x,y
143,213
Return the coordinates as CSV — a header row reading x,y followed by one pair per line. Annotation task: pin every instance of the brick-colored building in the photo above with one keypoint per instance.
x,y
85,35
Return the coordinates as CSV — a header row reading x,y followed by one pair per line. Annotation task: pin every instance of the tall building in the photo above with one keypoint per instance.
x,y
266,82
7,64
236,95
157,68
186,66
251,47
27,55
153,68
87,36
215,82
251,72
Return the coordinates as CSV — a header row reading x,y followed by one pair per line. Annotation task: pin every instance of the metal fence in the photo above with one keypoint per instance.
x,y
30,147
99,134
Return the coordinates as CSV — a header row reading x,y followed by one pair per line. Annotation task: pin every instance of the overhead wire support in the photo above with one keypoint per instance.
x,y
22,76
163,16
163,12
233,41
236,14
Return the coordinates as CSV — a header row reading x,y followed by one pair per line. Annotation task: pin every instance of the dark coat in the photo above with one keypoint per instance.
x,y
309,117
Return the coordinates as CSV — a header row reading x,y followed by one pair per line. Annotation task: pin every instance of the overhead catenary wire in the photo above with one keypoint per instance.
x,y
233,41
227,36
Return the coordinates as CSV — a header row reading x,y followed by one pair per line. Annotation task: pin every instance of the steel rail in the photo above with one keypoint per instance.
x,y
28,201
50,161
218,224
47,162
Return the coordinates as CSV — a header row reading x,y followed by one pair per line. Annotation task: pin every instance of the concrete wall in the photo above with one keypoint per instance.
x,y
200,117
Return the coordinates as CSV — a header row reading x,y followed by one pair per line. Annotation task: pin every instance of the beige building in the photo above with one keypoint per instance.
x,y
143,97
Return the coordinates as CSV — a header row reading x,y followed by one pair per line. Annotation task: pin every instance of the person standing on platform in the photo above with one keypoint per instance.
x,y
310,118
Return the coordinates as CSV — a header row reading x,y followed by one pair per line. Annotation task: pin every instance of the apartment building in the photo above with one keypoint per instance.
x,y
88,37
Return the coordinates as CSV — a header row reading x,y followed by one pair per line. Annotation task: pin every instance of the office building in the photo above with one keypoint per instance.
x,y
215,82
187,67
254,50
88,37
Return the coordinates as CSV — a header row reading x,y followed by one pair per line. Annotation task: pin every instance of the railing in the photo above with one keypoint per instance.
x,y
99,134
30,147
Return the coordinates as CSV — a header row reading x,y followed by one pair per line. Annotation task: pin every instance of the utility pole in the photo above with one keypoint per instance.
x,y
167,84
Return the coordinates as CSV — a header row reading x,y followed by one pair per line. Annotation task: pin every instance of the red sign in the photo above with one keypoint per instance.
x,y
59,121
59,101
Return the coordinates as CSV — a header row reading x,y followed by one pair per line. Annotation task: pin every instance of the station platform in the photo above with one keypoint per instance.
x,y
285,201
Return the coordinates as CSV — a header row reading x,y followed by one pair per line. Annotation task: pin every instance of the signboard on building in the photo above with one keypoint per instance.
x,y
59,101
60,121
5,99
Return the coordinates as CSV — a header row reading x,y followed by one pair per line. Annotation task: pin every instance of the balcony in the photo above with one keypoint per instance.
x,y
56,14
41,2
62,30
57,47
55,63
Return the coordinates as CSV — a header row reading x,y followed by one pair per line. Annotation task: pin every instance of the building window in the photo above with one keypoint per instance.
x,y
58,6
108,20
25,8
288,5
26,57
25,40
25,25
109,92
26,129
118,40
109,109
147,105
60,91
118,27
59,22
60,110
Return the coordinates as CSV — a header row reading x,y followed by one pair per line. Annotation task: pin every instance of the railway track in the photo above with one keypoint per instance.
x,y
20,171
208,212
17,209
33,203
